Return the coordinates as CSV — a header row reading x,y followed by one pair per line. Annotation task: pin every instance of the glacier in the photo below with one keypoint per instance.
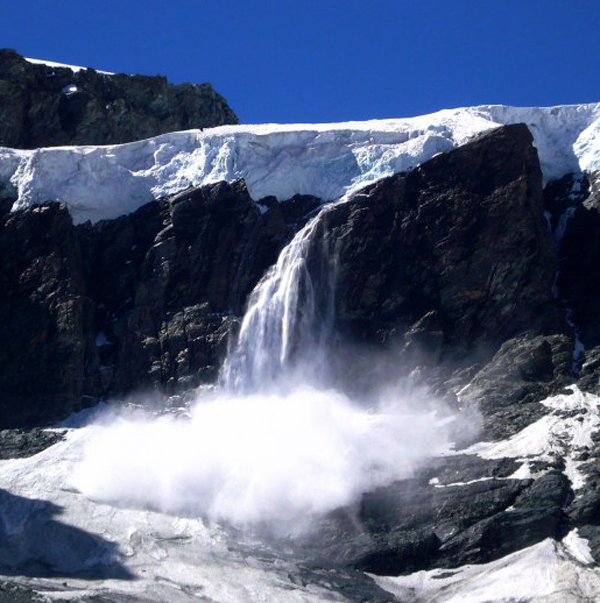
x,y
282,160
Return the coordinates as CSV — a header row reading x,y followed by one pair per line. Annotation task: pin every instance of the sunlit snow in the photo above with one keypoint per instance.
x,y
565,432
325,160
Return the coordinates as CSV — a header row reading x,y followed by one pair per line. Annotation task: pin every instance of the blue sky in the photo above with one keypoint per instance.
x,y
289,60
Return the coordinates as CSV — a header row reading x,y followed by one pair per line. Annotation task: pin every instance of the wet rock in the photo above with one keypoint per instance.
x,y
49,106
579,258
561,197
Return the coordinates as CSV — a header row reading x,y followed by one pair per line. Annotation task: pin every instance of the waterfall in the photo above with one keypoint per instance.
x,y
289,319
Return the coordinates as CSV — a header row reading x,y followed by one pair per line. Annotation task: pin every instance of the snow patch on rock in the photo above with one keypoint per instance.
x,y
578,547
566,432
74,68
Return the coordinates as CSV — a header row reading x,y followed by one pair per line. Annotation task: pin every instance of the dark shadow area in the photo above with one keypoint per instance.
x,y
34,544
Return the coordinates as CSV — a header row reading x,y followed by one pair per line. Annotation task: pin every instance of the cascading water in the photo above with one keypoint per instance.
x,y
290,314
282,441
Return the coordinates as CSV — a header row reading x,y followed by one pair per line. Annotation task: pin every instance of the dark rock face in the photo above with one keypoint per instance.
x,y
46,320
170,279
146,300
589,376
22,443
524,371
579,257
461,510
450,260
50,106
574,206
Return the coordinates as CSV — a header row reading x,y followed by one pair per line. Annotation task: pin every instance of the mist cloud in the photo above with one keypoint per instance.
x,y
257,458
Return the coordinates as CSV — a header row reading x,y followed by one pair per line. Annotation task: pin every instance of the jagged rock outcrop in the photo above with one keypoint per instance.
x,y
578,230
508,389
461,509
47,106
46,322
573,206
23,443
143,301
170,279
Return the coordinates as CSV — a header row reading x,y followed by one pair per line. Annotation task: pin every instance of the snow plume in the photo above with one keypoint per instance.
x,y
261,457
275,442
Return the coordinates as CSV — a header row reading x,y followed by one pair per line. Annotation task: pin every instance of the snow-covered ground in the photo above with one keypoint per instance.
x,y
548,572
325,160
162,556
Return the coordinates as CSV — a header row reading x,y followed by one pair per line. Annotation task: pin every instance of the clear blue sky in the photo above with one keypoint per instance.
x,y
291,60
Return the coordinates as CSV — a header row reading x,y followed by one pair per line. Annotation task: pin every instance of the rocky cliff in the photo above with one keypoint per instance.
x,y
446,264
43,105
143,301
